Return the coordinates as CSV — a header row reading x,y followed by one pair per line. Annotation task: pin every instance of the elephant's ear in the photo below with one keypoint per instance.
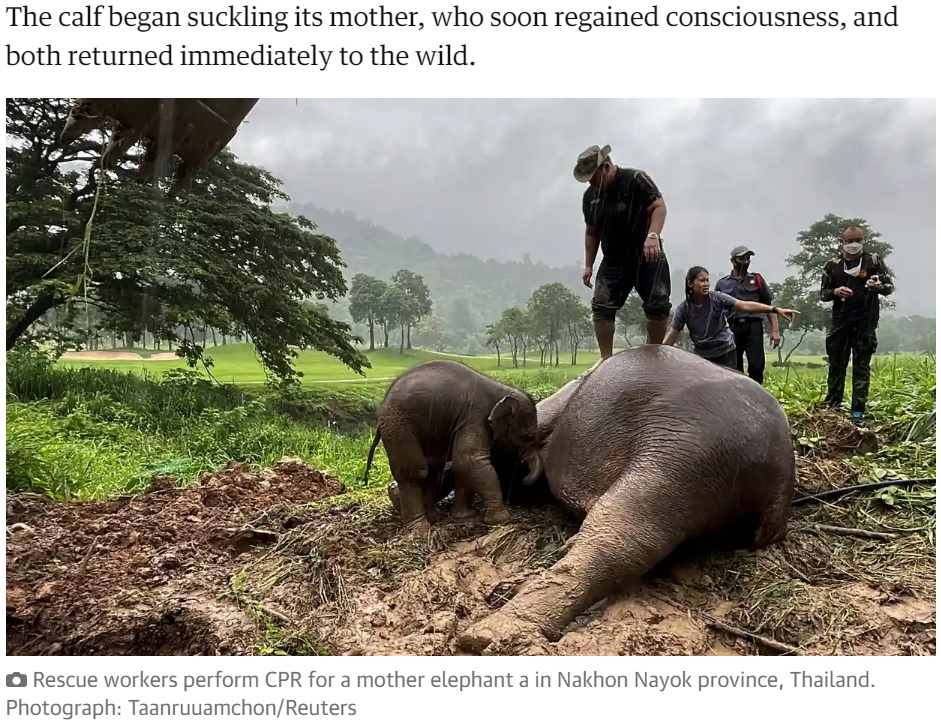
x,y
502,415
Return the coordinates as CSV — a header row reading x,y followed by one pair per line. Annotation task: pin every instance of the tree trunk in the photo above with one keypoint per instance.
x,y
213,331
409,338
402,339
372,334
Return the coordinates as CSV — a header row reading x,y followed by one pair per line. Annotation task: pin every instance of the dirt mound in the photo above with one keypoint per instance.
x,y
141,575
249,562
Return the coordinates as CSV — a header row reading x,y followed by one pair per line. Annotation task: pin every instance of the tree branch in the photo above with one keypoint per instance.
x,y
44,303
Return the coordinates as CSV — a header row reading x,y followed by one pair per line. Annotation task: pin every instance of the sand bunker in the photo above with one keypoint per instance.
x,y
119,356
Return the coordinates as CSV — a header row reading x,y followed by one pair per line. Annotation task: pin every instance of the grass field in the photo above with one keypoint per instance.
x,y
237,364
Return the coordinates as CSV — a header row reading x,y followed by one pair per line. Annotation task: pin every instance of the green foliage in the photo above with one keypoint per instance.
x,y
148,262
90,433
399,303
554,318
631,320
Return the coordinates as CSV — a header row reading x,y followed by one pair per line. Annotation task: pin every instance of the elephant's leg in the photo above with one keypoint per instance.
x,y
462,509
409,468
430,499
616,542
772,527
473,473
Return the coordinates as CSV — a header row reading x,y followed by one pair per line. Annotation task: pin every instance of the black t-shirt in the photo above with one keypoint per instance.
x,y
619,213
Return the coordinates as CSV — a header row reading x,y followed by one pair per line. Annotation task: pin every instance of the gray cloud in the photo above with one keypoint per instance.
x,y
494,177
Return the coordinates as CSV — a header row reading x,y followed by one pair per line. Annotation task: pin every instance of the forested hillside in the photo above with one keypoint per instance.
x,y
487,287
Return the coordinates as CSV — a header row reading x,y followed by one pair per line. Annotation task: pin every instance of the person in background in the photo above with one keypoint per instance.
x,y
624,214
747,328
853,283
703,313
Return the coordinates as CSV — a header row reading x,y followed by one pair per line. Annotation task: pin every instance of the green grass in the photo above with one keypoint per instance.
x,y
81,430
237,364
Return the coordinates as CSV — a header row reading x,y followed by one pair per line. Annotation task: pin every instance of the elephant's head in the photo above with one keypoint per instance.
x,y
515,428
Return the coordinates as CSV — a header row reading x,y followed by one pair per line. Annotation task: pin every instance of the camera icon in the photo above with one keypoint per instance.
x,y
16,680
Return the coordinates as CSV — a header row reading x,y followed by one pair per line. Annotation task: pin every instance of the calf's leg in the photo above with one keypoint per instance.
x,y
473,473
409,468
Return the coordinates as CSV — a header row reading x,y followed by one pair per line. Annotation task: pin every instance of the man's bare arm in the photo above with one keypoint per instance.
x,y
592,242
656,206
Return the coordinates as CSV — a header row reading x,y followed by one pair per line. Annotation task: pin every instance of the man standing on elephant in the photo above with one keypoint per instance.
x,y
747,327
624,213
853,284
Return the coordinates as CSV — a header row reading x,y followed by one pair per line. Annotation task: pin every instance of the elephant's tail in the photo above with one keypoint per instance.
x,y
372,452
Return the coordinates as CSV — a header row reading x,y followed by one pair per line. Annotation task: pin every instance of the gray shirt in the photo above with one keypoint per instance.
x,y
708,329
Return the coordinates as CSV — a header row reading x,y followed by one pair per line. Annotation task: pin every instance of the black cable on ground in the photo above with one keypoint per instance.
x,y
839,492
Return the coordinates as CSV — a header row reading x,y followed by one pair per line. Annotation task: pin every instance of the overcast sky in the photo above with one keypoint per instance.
x,y
494,177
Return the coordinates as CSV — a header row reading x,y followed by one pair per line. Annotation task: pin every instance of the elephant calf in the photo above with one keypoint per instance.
x,y
655,447
443,411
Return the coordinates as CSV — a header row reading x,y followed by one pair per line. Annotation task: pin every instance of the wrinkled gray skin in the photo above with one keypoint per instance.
x,y
443,411
655,447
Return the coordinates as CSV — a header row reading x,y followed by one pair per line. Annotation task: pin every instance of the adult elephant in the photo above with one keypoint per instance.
x,y
655,447
443,414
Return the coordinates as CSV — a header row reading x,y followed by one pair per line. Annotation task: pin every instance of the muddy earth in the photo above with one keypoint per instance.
x,y
282,560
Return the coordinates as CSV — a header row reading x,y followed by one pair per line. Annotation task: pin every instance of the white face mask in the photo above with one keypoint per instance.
x,y
853,248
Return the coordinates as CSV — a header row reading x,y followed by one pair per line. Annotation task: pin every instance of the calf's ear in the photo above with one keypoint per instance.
x,y
502,416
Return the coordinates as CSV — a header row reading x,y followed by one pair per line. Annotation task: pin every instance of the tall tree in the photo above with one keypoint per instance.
x,y
394,312
366,302
222,259
549,308
417,299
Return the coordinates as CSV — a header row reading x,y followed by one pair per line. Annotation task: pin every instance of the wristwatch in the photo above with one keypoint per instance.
x,y
654,235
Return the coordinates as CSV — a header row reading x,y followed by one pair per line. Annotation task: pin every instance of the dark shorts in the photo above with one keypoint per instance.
x,y
615,281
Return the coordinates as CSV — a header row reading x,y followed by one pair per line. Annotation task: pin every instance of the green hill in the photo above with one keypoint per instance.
x,y
488,286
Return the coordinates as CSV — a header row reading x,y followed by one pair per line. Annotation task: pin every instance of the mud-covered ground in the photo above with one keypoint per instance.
x,y
249,562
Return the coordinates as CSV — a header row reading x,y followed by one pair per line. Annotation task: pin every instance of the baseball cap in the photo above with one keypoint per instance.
x,y
741,251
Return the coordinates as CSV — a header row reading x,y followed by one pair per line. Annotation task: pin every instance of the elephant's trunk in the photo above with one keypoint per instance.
x,y
534,460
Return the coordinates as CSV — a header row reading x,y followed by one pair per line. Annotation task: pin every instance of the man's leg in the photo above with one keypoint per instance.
x,y
863,344
612,285
838,355
755,349
653,286
727,360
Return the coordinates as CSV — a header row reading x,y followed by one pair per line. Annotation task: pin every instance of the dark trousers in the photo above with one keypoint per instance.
x,y
844,338
749,335
726,360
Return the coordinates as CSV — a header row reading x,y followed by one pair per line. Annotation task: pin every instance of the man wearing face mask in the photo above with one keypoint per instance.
x,y
624,214
747,328
853,283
